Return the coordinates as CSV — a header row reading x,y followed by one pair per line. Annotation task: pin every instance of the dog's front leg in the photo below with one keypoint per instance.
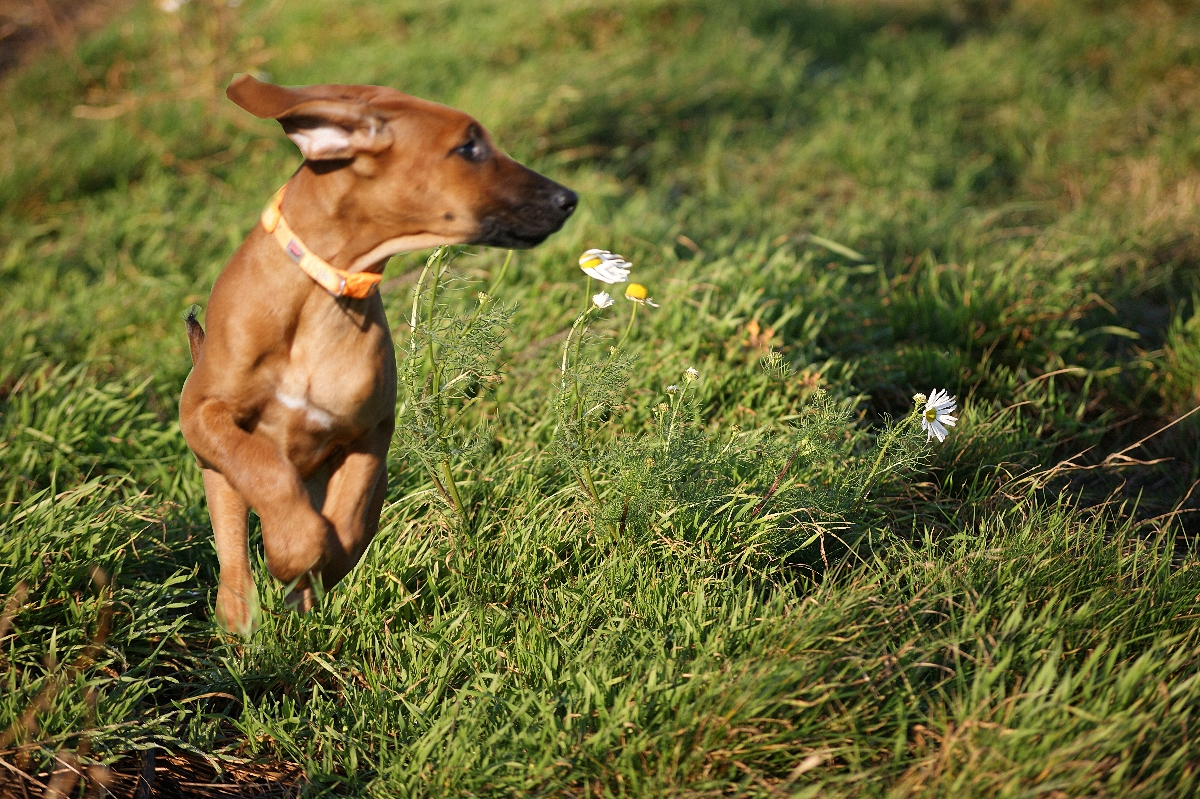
x,y
354,498
295,535
350,488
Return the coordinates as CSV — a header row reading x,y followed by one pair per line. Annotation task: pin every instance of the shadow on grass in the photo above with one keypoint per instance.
x,y
642,129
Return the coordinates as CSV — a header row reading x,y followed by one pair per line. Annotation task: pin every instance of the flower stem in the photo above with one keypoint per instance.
x,y
451,488
438,484
778,479
443,478
591,484
629,327
503,271
887,442
676,402
567,344
866,486
416,317
587,309
431,353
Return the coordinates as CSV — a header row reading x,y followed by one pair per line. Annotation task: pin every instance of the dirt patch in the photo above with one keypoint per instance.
x,y
158,775
29,26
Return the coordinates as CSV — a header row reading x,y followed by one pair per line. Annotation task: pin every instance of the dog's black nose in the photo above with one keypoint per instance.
x,y
565,200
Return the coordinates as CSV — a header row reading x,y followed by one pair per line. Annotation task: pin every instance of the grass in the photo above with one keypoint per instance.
x,y
1022,183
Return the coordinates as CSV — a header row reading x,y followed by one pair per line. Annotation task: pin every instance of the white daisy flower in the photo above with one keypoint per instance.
x,y
691,374
605,266
671,389
602,300
936,417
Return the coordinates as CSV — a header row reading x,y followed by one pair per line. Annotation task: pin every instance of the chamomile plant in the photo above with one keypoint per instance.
x,y
590,390
782,479
444,365
810,473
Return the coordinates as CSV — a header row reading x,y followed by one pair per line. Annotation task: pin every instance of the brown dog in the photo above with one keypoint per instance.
x,y
290,405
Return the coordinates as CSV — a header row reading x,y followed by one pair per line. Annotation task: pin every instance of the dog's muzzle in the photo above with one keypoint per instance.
x,y
532,209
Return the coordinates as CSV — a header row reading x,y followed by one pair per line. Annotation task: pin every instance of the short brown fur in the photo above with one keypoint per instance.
x,y
291,400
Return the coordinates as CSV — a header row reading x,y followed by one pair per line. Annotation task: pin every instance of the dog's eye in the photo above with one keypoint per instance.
x,y
474,151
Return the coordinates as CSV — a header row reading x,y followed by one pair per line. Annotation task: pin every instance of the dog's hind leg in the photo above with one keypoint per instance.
x,y
237,600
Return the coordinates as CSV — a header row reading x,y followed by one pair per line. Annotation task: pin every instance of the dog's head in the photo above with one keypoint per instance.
x,y
427,173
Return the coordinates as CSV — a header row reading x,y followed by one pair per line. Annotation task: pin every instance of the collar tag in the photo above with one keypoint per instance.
x,y
295,250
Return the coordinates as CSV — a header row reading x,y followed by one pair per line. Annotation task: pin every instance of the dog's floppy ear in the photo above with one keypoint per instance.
x,y
325,122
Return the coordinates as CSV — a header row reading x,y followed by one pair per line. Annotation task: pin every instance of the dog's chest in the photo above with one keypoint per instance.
x,y
311,415
336,386
336,398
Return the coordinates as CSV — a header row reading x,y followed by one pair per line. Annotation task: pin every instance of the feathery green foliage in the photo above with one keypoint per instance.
x,y
446,363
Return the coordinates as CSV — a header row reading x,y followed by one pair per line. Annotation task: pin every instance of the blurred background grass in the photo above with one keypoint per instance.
x,y
1023,181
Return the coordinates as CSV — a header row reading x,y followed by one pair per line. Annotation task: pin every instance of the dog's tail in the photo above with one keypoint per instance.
x,y
195,333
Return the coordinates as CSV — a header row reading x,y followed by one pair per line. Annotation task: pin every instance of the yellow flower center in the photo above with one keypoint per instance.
x,y
590,262
931,414
635,291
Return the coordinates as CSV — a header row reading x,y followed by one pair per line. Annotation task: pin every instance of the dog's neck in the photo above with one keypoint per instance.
x,y
323,210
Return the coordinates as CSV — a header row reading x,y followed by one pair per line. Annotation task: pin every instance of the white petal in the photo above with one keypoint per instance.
x,y
607,273
651,303
938,430
602,300
949,421
604,257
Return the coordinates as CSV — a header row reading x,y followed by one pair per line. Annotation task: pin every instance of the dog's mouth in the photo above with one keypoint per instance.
x,y
534,207
516,231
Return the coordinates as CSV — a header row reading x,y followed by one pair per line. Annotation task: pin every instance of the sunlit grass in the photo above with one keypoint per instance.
x,y
999,199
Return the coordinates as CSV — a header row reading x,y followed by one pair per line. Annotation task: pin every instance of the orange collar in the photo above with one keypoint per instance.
x,y
339,283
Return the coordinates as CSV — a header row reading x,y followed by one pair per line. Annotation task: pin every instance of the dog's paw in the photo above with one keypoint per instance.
x,y
306,593
238,611
296,544
301,600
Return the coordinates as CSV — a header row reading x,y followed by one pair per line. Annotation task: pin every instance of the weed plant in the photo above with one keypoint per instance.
x,y
764,581
447,361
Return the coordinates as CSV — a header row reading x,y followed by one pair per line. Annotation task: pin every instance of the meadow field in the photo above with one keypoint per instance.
x,y
770,583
